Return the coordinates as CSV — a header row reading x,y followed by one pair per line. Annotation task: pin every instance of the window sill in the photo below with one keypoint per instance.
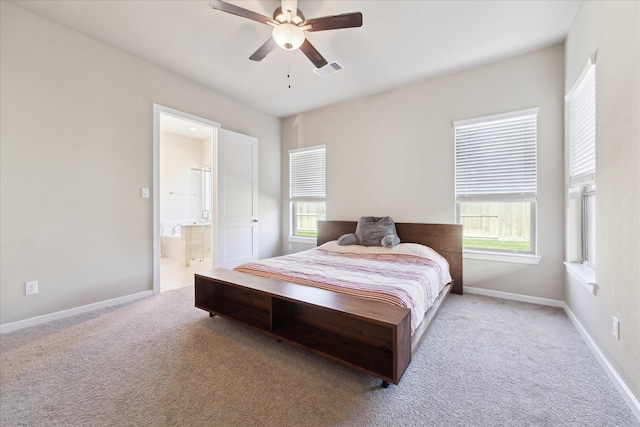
x,y
305,240
583,275
494,256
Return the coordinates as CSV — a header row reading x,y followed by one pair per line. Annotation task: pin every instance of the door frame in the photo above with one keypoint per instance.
x,y
157,111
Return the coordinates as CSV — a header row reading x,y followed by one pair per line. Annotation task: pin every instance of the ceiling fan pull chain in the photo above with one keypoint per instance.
x,y
289,68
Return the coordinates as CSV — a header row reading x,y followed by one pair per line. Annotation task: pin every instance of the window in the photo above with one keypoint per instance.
x,y
307,184
581,112
496,182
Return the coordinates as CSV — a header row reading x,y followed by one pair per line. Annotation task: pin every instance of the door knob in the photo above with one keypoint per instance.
x,y
255,220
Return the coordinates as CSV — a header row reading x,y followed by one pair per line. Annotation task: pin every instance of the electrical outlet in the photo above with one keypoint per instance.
x,y
616,328
32,287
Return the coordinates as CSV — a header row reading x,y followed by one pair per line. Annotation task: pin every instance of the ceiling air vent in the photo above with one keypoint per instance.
x,y
330,68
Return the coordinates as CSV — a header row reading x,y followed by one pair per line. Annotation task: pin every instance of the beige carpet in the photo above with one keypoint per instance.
x,y
160,361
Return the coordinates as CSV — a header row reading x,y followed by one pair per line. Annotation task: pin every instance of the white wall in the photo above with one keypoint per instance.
x,y
393,154
611,29
76,145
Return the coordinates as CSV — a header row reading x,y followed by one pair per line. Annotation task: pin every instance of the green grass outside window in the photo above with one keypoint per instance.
x,y
505,245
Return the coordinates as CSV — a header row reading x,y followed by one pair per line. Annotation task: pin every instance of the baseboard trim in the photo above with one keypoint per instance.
x,y
21,324
617,381
514,297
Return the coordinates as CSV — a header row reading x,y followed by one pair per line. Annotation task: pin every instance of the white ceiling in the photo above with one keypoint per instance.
x,y
184,127
399,43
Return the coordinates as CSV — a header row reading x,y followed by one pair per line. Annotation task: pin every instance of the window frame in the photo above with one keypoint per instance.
x,y
589,259
310,186
525,191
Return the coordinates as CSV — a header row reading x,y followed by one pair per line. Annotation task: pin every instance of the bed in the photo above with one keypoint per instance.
x,y
375,337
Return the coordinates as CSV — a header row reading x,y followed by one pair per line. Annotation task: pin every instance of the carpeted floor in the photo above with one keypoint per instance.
x,y
160,361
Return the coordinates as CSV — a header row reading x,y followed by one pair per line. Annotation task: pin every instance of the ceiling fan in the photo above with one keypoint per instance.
x,y
289,26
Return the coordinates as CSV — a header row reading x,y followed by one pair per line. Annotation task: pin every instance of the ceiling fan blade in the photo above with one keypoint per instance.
x,y
259,54
291,5
313,55
236,10
346,20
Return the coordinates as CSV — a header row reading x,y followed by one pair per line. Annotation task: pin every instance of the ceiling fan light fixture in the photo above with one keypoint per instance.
x,y
288,36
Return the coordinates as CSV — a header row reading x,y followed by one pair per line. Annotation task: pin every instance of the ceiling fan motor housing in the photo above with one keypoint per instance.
x,y
281,17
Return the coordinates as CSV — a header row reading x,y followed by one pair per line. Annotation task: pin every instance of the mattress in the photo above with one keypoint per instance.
x,y
407,275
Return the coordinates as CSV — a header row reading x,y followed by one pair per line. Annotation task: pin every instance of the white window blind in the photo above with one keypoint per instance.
x,y
496,157
582,128
308,174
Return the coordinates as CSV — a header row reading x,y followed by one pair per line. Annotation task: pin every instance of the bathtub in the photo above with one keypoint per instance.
x,y
185,241
170,240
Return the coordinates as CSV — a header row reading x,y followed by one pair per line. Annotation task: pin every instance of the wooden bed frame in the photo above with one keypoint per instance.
x,y
369,336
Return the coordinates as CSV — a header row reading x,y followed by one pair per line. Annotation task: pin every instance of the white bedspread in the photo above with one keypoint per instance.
x,y
408,275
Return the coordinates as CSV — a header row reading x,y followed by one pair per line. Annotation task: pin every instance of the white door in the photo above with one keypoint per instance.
x,y
237,197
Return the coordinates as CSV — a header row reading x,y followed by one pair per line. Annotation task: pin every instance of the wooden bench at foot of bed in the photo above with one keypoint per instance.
x,y
372,337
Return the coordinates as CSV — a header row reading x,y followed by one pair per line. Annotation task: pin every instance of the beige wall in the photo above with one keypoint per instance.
x,y
393,154
611,30
76,146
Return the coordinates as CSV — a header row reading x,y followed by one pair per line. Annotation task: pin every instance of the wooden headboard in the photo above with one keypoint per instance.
x,y
446,239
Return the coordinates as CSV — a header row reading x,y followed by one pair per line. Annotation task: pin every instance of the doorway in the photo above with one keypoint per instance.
x,y
183,197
